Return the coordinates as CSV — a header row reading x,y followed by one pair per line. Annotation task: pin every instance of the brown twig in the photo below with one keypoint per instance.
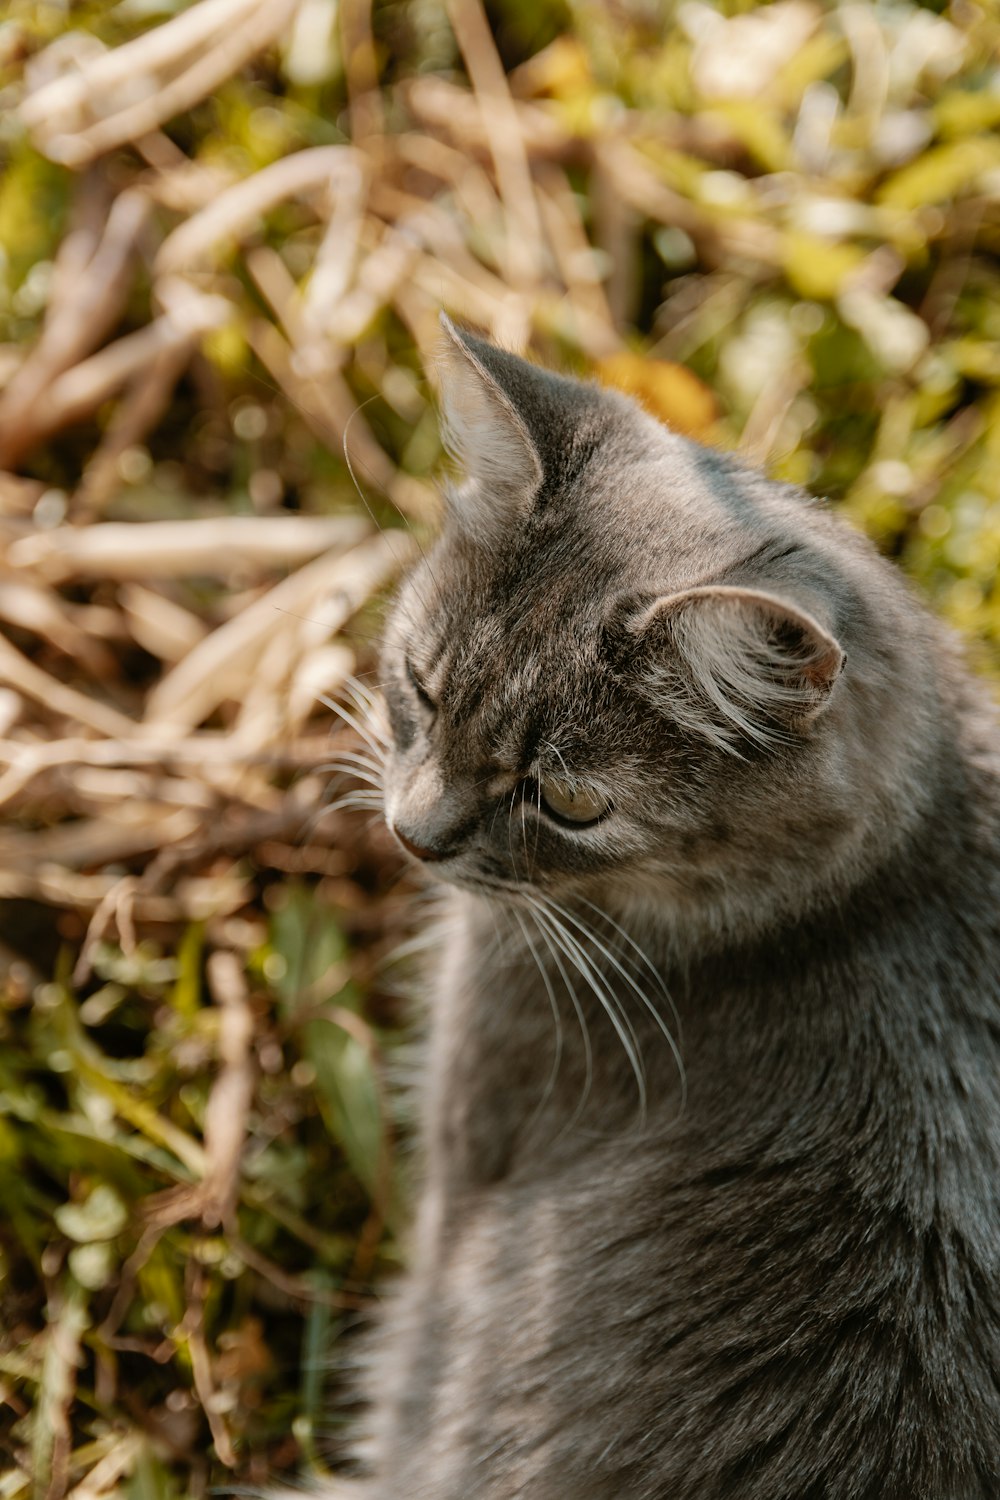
x,y
54,113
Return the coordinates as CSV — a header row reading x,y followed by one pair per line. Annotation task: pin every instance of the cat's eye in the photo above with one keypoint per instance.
x,y
417,684
571,804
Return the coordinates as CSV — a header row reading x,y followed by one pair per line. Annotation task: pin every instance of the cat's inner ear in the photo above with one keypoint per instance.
x,y
736,664
484,431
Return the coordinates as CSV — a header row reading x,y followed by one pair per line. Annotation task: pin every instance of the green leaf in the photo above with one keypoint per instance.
x,y
347,1095
186,995
306,938
818,268
150,1480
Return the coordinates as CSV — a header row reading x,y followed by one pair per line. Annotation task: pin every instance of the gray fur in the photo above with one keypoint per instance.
x,y
735,1231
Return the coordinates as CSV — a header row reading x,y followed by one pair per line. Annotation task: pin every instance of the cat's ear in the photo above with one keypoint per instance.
x,y
737,664
483,429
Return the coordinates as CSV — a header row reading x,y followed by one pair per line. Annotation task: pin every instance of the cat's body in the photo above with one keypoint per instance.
x,y
791,1292
769,1269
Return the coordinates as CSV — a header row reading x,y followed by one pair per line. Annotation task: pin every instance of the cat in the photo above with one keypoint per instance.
x,y
711,1117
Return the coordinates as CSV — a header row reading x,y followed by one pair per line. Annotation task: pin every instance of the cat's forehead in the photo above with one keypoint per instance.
x,y
534,592
514,680
494,659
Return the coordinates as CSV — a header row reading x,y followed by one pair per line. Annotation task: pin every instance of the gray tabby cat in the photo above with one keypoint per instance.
x,y
711,1199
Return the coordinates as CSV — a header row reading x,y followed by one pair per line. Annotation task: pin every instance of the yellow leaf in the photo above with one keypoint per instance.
x,y
975,359
961,113
677,169
817,269
561,71
668,390
758,129
821,56
941,173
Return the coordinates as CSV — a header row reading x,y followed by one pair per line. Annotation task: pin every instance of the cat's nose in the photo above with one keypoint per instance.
x,y
427,852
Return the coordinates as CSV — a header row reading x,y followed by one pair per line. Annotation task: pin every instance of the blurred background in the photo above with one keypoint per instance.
x,y
226,231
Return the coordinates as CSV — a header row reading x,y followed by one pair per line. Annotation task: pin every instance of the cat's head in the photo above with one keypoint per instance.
x,y
628,662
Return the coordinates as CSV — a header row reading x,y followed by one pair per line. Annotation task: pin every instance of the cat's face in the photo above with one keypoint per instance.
x,y
611,669
509,728
522,752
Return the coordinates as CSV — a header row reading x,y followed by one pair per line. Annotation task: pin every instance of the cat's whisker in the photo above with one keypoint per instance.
x,y
365,786
524,838
608,1002
353,762
367,759
496,814
360,797
362,730
362,693
370,801
538,821
342,805
347,768
494,951
673,1041
372,752
510,830
583,932
370,706
548,745
602,993
588,1052
556,1018
367,700
375,722
342,710
636,989
642,956
370,785
368,780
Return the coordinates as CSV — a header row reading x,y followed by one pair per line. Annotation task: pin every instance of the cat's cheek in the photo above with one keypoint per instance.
x,y
402,724
558,855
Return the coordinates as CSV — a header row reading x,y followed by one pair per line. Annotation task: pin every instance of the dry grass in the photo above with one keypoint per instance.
x,y
228,235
